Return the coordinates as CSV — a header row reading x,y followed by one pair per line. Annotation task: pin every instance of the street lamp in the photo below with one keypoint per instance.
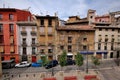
x,y
87,59
52,61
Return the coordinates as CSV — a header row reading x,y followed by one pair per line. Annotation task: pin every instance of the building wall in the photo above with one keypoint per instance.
x,y
18,15
110,34
46,36
77,41
28,29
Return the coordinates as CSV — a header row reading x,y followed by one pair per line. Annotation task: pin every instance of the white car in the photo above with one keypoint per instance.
x,y
23,64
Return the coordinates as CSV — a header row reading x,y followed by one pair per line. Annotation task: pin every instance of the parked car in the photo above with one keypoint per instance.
x,y
70,62
35,64
51,64
6,64
23,64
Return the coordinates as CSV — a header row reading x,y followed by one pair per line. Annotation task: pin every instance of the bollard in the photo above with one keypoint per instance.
x,y
19,75
12,76
34,75
26,75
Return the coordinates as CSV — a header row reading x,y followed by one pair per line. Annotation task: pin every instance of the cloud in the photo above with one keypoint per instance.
x,y
64,8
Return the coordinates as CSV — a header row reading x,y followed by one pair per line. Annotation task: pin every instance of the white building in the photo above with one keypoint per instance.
x,y
27,38
106,41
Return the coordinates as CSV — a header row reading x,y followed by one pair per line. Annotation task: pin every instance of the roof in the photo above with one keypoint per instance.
x,y
107,27
47,16
26,23
76,27
11,10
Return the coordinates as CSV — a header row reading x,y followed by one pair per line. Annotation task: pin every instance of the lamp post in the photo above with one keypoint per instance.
x,y
52,61
87,59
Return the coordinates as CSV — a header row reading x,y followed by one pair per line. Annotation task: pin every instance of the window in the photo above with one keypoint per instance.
x,y
49,22
33,50
84,39
112,40
1,27
100,29
69,39
113,29
42,51
42,22
33,40
11,28
1,16
99,46
91,17
50,50
24,50
106,29
105,47
11,16
69,48
1,39
112,46
84,47
11,39
24,40
62,47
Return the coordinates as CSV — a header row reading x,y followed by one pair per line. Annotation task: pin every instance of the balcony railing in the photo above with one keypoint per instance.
x,y
24,44
33,33
24,33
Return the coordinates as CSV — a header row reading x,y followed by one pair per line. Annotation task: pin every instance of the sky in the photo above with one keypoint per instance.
x,y
63,8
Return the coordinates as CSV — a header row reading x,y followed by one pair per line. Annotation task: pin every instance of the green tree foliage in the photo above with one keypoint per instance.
x,y
95,61
44,59
79,59
62,59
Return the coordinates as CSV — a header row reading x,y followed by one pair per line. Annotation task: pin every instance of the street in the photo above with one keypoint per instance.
x,y
108,69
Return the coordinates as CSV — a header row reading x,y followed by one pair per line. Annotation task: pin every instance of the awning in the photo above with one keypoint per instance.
x,y
102,52
69,54
86,52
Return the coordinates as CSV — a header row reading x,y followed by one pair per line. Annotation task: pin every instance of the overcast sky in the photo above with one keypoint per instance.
x,y
64,8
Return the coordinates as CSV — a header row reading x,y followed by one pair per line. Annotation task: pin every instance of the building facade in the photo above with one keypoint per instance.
x,y
27,40
8,31
46,29
75,37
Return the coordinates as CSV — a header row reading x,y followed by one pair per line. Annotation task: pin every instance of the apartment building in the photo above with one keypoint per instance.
x,y
27,40
75,36
8,31
46,29
106,35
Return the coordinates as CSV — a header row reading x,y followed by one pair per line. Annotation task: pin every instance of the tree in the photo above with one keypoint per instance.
x,y
62,59
44,59
95,61
79,59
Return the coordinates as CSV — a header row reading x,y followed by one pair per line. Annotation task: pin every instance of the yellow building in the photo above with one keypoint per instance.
x,y
46,29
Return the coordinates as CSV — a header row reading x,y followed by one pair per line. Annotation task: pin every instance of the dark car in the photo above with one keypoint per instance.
x,y
51,64
70,62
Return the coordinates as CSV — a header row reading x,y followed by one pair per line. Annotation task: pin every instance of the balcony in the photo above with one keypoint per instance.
x,y
24,33
24,44
33,33
34,44
42,44
42,34
50,34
